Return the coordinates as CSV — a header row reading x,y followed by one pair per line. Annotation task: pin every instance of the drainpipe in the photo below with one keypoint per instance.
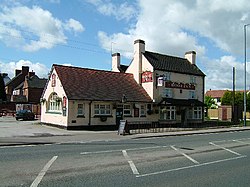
x,y
90,113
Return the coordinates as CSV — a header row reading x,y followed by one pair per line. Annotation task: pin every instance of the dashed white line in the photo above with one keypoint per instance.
x,y
188,157
188,167
119,150
43,172
131,163
238,154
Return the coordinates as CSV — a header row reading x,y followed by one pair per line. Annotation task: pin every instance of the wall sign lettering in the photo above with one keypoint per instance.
x,y
179,85
147,76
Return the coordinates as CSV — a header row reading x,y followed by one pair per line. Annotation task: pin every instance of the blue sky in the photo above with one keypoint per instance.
x,y
39,33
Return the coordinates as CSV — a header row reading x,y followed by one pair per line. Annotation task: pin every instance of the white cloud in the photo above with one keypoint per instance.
x,y
76,26
40,69
122,11
176,26
34,28
220,73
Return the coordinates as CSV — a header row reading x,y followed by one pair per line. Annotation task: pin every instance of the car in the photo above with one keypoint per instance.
x,y
25,115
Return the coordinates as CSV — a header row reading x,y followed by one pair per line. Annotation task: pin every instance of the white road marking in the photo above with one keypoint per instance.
x,y
43,172
131,163
188,167
241,142
238,154
188,157
119,150
17,146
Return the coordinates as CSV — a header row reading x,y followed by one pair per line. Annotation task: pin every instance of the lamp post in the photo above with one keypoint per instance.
x,y
245,72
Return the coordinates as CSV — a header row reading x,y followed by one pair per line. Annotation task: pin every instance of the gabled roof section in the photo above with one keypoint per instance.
x,y
36,82
172,64
99,85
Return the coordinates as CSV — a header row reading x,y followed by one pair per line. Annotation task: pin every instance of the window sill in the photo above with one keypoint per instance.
x,y
80,116
128,116
52,112
98,116
143,116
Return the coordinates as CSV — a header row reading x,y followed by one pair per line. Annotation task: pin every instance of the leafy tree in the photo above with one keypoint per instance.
x,y
2,89
210,102
227,98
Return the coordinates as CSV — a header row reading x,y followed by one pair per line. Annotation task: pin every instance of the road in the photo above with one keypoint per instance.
x,y
221,159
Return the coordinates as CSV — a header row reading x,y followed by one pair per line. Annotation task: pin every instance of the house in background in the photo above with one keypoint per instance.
x,y
216,95
154,87
25,90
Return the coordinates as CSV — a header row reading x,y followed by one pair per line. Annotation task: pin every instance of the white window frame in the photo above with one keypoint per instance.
x,y
192,79
102,109
127,110
167,76
143,110
55,104
169,113
80,109
195,113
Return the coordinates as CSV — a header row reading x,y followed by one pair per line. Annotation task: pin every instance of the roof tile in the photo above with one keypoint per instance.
x,y
99,85
172,64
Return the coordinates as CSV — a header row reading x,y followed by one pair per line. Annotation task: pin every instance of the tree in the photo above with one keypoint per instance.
x,y
210,102
227,98
2,89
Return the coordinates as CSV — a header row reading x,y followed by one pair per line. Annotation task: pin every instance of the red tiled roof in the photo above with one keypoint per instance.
x,y
216,93
99,85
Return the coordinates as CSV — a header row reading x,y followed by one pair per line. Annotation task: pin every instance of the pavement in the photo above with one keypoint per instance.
x,y
17,133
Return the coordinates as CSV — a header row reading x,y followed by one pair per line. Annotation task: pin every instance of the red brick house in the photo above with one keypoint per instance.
x,y
25,90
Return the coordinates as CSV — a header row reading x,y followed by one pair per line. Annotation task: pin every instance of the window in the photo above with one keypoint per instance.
x,y
167,76
55,103
195,113
143,110
102,109
167,113
167,93
127,110
192,79
191,94
80,109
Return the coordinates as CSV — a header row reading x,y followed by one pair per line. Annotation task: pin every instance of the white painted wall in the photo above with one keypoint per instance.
x,y
53,118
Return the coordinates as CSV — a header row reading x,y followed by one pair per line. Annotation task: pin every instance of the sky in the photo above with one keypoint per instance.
x,y
84,33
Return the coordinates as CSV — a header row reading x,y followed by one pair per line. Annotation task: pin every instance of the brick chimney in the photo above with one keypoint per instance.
x,y
17,71
191,56
139,48
25,70
116,60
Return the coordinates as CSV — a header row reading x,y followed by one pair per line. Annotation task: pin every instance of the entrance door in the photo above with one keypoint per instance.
x,y
183,117
119,115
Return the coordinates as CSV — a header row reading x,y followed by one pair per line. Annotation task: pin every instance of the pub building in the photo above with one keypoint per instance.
x,y
154,87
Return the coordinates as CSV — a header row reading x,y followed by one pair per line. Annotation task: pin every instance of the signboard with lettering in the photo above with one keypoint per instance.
x,y
179,85
53,80
122,126
147,76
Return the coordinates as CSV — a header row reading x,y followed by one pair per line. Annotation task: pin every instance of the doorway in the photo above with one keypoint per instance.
x,y
119,115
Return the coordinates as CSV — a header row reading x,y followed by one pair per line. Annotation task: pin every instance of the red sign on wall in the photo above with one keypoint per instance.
x,y
53,80
147,76
64,102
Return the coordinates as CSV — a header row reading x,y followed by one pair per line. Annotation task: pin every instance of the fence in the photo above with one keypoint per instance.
x,y
156,126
